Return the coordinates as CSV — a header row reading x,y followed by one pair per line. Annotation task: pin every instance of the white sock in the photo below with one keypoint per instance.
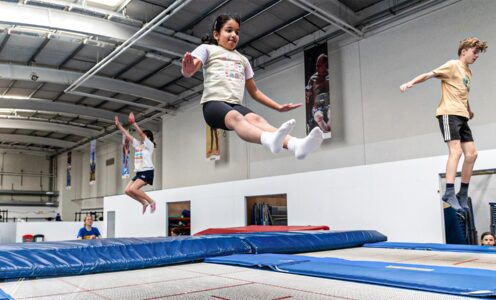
x,y
302,147
274,140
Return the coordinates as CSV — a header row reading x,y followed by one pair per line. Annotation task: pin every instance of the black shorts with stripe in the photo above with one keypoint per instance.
x,y
455,128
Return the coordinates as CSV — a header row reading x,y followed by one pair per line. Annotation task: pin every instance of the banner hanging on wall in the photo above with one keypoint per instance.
x,y
317,96
92,161
213,143
125,157
68,178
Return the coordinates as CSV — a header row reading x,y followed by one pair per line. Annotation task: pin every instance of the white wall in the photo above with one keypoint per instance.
x,y
54,231
183,153
400,126
31,165
67,207
35,170
8,233
23,212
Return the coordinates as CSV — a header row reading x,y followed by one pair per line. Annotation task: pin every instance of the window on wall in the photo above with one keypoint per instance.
x,y
179,218
267,210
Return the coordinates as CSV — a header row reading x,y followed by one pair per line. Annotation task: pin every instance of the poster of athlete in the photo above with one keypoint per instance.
x,y
317,101
68,174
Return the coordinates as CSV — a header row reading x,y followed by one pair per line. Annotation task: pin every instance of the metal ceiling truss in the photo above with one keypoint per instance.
x,y
147,28
30,139
17,72
328,17
31,150
52,79
47,105
47,126
89,75
43,152
57,22
203,16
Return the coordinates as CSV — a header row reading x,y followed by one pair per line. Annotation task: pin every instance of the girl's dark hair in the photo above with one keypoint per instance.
x,y
149,135
217,25
486,233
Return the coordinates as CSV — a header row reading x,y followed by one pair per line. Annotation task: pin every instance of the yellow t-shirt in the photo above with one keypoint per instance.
x,y
455,78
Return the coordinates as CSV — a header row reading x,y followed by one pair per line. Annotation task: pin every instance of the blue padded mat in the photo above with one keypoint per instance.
x,y
5,296
103,255
449,280
309,241
434,247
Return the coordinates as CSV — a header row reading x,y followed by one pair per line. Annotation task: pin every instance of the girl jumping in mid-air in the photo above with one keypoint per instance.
x,y
143,164
226,74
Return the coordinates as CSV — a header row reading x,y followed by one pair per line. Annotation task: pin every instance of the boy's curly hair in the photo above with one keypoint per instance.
x,y
470,43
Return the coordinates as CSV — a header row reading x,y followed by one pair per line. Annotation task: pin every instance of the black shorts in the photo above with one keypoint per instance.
x,y
146,176
215,112
455,128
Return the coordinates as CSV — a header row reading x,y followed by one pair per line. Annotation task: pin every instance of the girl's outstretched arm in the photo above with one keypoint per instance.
x,y
257,94
137,128
124,131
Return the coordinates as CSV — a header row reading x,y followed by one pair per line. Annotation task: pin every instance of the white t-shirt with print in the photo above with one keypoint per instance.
x,y
143,155
225,73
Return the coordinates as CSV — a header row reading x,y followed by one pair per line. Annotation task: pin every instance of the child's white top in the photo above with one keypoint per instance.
x,y
224,72
143,155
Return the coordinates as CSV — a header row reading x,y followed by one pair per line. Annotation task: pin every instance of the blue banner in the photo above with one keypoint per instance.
x,y
68,174
92,161
125,157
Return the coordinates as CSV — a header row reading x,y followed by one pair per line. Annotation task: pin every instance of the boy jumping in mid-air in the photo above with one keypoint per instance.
x,y
453,113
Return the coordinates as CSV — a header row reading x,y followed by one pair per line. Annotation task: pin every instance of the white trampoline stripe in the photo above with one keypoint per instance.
x,y
410,268
447,133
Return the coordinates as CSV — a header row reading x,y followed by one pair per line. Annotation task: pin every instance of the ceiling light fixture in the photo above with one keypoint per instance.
x,y
106,3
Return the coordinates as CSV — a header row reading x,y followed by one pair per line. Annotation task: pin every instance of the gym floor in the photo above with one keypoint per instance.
x,y
212,281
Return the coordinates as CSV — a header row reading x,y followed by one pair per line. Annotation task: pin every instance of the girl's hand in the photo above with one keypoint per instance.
x,y
405,86
117,123
287,107
131,118
188,65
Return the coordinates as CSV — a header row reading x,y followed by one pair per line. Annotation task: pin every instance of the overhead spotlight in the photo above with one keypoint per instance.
x,y
34,76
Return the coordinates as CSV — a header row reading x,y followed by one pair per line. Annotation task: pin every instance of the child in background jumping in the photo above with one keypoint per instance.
x,y
143,164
